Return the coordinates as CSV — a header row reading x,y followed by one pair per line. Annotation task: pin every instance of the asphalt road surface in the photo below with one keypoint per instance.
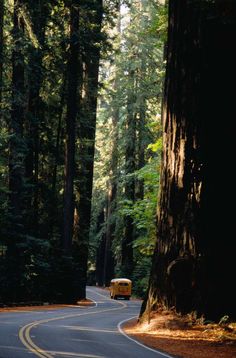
x,y
82,332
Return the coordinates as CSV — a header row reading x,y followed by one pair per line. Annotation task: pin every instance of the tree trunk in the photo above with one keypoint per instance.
x,y
73,66
141,145
87,128
193,267
100,251
109,262
108,270
15,253
16,143
39,15
58,150
111,204
126,247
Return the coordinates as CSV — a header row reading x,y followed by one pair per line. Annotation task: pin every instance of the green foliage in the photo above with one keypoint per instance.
x,y
143,211
156,146
32,262
132,86
31,259
141,275
160,21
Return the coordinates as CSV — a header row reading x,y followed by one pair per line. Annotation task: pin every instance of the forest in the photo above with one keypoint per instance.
x,y
117,126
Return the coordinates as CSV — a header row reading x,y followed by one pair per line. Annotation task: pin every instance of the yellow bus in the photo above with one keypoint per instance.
x,y
120,287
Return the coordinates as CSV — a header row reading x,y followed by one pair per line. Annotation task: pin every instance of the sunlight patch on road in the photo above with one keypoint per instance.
x,y
100,302
119,326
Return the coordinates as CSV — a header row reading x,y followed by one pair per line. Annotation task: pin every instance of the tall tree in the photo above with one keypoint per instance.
x,y
193,267
38,12
54,208
16,144
127,248
15,262
73,67
100,253
92,20
108,269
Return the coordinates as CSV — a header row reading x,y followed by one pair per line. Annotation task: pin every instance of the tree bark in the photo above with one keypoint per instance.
x,y
109,261
59,147
86,130
126,247
16,143
39,14
16,232
100,262
73,66
108,269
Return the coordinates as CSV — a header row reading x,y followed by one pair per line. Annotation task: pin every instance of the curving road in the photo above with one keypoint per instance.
x,y
93,332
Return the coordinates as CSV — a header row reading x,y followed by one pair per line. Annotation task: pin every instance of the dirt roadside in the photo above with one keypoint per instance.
x,y
169,333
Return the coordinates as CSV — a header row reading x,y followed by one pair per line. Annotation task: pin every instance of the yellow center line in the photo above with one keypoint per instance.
x,y
24,333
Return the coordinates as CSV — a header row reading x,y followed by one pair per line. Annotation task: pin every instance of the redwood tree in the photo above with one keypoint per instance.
x,y
127,248
16,142
91,18
15,233
39,11
193,267
73,67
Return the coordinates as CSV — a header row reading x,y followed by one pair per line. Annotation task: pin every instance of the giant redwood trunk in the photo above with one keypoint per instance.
x,y
15,264
108,269
73,67
127,241
100,254
91,19
193,267
16,142
109,262
39,14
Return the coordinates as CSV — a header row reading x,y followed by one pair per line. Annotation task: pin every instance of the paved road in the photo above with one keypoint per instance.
x,y
92,332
